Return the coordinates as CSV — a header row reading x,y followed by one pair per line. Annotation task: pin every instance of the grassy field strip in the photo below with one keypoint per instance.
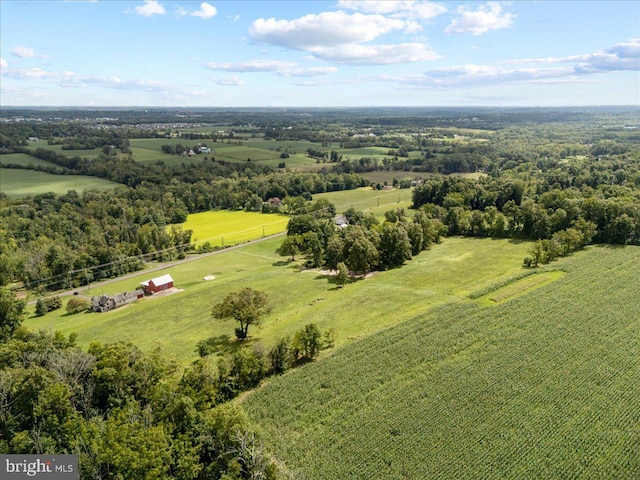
x,y
21,183
367,199
179,321
520,287
544,386
27,161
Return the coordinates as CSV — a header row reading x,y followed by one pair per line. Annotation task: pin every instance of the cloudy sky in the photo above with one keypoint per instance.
x,y
319,53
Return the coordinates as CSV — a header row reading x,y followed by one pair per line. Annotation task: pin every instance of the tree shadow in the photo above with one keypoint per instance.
x,y
83,312
222,344
281,263
518,241
301,361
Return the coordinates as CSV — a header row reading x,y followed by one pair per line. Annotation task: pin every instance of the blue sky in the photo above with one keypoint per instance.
x,y
317,53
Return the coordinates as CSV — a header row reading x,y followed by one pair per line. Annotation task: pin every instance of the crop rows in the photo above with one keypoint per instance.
x,y
546,385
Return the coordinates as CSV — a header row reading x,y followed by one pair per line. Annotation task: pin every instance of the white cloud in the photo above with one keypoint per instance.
x,y
623,56
252,66
486,18
68,79
229,81
206,11
26,73
308,72
570,69
344,38
25,52
483,74
3,63
284,69
413,9
355,54
150,8
322,30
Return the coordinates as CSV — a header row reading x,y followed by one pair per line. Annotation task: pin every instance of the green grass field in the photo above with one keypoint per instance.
x,y
26,161
223,227
258,150
89,153
449,271
369,200
544,385
21,183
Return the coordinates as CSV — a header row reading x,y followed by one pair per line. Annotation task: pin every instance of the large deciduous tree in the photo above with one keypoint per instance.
x,y
246,306
11,313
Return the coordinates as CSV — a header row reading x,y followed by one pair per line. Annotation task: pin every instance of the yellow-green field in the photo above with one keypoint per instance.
x,y
223,227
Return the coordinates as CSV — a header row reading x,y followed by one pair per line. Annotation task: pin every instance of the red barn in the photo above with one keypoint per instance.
x,y
155,285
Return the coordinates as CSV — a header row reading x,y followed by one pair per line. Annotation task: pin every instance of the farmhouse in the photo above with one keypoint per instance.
x,y
341,221
155,285
104,303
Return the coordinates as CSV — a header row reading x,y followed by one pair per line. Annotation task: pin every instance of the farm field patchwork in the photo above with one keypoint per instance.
x,y
449,271
545,385
21,183
265,152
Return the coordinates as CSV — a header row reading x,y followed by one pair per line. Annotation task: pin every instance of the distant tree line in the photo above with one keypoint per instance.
x,y
536,209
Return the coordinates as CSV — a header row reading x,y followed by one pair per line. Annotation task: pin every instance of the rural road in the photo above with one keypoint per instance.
x,y
164,266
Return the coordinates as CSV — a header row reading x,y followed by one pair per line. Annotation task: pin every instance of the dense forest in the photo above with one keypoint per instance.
x,y
563,179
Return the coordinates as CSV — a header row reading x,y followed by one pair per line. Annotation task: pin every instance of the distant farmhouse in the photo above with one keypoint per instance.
x,y
155,285
104,303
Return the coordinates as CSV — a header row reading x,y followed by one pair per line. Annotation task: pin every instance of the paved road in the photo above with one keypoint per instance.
x,y
164,266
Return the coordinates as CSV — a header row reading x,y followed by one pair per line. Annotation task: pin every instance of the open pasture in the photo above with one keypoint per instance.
x,y
21,183
150,150
87,153
242,153
546,385
449,271
368,199
286,145
224,227
26,160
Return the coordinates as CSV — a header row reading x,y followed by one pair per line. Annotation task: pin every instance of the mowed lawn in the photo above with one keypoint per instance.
x,y
543,386
449,271
21,183
224,227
